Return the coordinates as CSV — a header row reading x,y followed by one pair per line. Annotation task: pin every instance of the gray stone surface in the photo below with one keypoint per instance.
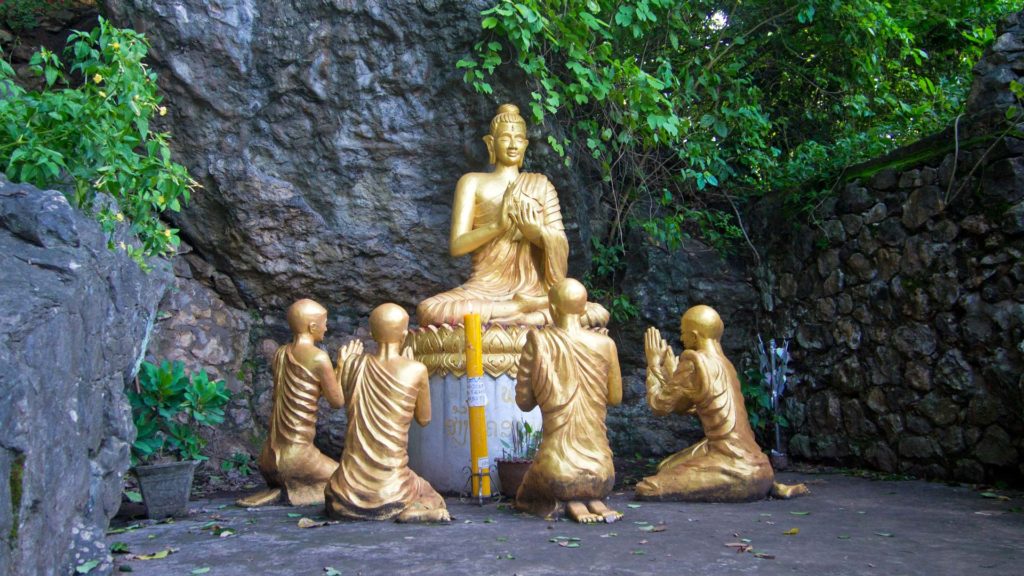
x,y
74,319
919,340
847,526
329,137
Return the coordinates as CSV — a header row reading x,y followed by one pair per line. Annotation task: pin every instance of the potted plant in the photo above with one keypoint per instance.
x,y
168,406
517,455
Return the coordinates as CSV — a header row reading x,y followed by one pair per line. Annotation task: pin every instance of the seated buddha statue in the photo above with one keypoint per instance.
x,y
510,221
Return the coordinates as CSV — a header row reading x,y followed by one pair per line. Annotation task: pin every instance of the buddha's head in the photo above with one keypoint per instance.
x,y
307,317
698,324
567,297
389,323
507,142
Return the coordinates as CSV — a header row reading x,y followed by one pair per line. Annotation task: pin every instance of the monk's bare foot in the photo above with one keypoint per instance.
x,y
578,511
598,507
417,513
261,498
786,491
648,488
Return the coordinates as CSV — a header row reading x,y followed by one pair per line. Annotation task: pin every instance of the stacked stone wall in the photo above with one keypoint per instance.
x,y
906,300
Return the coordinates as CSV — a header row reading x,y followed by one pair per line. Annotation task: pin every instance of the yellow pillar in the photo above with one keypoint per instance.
x,y
479,461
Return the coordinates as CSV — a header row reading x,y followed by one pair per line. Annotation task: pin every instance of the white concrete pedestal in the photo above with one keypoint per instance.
x,y
439,452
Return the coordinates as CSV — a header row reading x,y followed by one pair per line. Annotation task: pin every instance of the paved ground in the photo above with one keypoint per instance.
x,y
846,526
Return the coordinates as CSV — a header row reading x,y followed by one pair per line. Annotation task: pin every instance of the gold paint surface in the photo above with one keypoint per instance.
x,y
572,374
289,462
511,223
383,394
727,465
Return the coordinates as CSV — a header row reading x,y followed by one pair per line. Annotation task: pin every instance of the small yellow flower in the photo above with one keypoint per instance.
x,y
97,78
115,46
122,245
103,94
163,110
120,217
160,200
167,232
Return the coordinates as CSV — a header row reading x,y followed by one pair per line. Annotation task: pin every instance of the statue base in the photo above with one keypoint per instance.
x,y
439,452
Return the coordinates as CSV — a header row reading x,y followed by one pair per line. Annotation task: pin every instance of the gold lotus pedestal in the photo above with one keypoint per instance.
x,y
440,452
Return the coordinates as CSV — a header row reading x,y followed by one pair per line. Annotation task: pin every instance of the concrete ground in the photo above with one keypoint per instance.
x,y
847,525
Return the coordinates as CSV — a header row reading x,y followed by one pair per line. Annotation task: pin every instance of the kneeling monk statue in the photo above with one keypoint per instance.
x,y
511,222
573,375
383,393
727,465
302,372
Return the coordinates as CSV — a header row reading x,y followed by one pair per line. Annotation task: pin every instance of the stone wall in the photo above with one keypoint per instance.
x,y
74,320
906,300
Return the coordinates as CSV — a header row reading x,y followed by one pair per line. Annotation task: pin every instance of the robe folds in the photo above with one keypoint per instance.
x,y
289,459
509,264
374,481
569,381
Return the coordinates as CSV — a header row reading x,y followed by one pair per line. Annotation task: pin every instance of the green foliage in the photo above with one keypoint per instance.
x,y
239,461
522,443
757,399
168,406
20,15
95,138
688,107
606,267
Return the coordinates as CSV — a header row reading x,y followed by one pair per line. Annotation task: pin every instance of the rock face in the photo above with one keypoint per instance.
x,y
329,137
908,304
74,320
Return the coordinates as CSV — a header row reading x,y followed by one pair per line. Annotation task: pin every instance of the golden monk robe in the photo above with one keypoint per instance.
x,y
302,372
573,375
512,224
383,393
727,465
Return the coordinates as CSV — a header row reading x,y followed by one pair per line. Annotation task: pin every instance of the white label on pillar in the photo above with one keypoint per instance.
x,y
477,397
483,464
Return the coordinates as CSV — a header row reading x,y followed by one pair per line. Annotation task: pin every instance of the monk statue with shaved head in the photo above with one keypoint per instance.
x,y
573,374
727,465
292,466
384,393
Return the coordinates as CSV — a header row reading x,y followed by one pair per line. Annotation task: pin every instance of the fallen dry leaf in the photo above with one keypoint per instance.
x,y
310,523
765,556
154,556
792,532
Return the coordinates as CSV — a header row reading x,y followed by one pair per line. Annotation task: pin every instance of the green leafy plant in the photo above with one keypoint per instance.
x,y
20,15
168,407
522,443
687,108
95,139
239,462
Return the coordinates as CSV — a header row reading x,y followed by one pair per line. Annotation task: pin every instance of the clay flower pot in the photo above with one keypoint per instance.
x,y
166,487
511,473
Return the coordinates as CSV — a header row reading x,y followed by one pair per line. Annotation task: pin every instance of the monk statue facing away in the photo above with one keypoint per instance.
x,y
727,465
510,221
383,393
573,375
302,372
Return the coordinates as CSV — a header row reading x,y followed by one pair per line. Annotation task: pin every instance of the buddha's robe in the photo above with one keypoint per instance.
x,y
568,379
727,465
289,459
374,481
510,264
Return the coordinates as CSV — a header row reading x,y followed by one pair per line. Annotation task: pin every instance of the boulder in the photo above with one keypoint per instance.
x,y
74,321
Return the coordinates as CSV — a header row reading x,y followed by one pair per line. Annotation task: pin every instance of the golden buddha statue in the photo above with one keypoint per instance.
x,y
383,393
512,224
727,465
302,372
573,375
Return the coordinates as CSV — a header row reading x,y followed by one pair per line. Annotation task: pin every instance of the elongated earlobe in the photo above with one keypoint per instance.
x,y
489,140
